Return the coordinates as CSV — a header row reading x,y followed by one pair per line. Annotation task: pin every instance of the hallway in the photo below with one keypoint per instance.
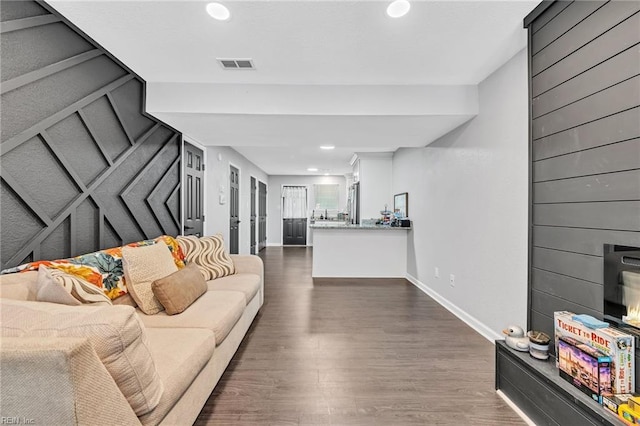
x,y
354,352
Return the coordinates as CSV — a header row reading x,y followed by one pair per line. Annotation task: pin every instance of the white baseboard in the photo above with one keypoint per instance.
x,y
515,408
472,322
274,245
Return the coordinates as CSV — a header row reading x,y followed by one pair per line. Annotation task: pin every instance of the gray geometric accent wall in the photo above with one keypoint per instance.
x,y
585,129
82,166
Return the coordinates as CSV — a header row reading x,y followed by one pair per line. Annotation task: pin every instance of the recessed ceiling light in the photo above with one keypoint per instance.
x,y
218,11
398,8
327,147
312,169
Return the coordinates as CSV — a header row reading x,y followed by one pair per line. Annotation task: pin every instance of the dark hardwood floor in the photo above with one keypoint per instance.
x,y
354,351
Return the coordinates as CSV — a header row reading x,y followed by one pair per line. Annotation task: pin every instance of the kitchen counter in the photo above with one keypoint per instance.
x,y
342,225
359,251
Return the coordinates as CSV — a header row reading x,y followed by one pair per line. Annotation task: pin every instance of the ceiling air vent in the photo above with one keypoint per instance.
x,y
236,64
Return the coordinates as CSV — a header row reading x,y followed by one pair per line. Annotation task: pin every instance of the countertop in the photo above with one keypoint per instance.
x,y
343,225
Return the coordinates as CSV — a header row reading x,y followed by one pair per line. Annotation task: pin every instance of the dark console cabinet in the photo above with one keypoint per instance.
x,y
537,389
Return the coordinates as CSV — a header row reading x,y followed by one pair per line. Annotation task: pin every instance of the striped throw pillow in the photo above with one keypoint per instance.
x,y
208,254
56,286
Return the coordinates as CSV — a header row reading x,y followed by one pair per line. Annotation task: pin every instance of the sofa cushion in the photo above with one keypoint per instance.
x,y
179,355
217,311
116,333
142,266
209,254
180,289
249,284
19,286
126,300
59,381
55,286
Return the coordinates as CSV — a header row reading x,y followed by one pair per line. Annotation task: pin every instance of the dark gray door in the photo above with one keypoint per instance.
x,y
262,215
294,232
253,215
194,179
234,207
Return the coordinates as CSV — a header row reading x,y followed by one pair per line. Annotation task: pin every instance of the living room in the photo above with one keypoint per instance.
x,y
483,204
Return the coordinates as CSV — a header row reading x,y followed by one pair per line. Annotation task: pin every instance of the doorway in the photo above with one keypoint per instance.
x,y
294,215
262,215
234,207
253,243
194,182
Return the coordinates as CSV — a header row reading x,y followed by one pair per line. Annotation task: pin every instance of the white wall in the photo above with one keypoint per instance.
x,y
217,179
274,201
468,199
375,176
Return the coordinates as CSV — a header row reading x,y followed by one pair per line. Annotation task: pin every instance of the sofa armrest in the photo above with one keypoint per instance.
x,y
250,264
55,380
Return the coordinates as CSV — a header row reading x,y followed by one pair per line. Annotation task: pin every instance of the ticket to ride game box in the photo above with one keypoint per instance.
x,y
612,342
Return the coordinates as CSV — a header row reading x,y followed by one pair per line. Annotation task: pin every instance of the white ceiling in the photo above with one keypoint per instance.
x,y
327,72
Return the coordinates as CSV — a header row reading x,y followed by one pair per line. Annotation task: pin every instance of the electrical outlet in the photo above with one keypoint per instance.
x,y
436,272
452,280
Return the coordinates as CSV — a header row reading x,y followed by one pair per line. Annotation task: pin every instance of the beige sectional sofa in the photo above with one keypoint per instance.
x,y
50,379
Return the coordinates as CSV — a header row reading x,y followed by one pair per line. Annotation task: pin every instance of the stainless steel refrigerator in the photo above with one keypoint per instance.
x,y
354,203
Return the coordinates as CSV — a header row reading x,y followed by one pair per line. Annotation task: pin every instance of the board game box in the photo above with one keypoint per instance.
x,y
617,345
613,402
584,367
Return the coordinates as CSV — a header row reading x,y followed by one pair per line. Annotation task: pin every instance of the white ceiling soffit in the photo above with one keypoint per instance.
x,y
330,72
267,118
254,135
311,99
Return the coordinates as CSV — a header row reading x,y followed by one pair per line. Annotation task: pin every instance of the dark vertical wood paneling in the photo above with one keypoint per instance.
x,y
604,187
606,46
83,166
601,18
615,128
621,156
561,23
551,12
619,68
585,98
617,98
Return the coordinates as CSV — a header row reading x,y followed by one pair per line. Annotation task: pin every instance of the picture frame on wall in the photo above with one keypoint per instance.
x,y
401,205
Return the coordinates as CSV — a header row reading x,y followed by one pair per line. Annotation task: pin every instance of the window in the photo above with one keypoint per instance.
x,y
326,196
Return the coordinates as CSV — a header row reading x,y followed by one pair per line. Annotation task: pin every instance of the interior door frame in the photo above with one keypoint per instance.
x,y
266,211
229,165
254,215
183,183
282,212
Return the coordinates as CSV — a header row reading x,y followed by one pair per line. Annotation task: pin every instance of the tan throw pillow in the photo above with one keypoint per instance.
x,y
56,286
209,254
142,266
179,290
115,332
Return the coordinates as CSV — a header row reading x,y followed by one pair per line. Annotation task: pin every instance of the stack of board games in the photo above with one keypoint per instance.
x,y
614,402
630,411
619,346
584,367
